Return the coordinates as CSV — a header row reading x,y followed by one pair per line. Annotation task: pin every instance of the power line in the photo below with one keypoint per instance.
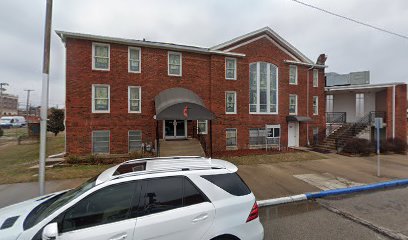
x,y
352,20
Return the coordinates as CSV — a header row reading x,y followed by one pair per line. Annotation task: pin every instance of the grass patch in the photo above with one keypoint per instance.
x,y
16,159
275,158
15,132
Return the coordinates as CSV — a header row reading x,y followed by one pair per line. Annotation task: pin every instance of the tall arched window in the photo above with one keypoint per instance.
x,y
263,88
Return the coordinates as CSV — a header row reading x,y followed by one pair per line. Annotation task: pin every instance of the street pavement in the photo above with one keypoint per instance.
x,y
18,192
282,179
381,214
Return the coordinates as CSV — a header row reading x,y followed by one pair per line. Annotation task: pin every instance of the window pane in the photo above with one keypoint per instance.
x,y
162,194
175,70
231,135
252,86
101,104
231,63
134,54
276,132
135,140
134,93
110,204
191,194
134,65
230,73
174,59
292,73
229,182
202,126
100,141
101,51
230,98
101,92
101,63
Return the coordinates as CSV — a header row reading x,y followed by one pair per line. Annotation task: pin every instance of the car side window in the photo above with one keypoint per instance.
x,y
161,194
191,194
107,205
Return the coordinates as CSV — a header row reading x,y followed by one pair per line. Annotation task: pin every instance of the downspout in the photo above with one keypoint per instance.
x,y
393,112
307,104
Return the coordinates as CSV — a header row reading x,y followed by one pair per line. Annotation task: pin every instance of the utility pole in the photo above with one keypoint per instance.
x,y
28,101
44,96
1,97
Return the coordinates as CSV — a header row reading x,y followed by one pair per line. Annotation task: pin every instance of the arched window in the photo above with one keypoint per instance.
x,y
263,88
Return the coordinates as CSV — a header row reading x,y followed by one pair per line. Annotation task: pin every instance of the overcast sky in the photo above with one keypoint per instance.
x,y
350,47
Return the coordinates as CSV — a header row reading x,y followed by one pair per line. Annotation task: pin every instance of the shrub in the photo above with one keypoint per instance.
x,y
399,146
358,146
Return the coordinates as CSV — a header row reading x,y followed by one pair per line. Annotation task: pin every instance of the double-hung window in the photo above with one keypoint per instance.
x,y
100,141
175,64
100,56
100,98
315,78
273,135
315,105
202,127
135,99
134,60
230,68
230,102
293,104
231,138
293,74
263,88
257,136
135,140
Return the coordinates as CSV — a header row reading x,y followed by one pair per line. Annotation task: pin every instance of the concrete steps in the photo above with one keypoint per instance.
x,y
185,147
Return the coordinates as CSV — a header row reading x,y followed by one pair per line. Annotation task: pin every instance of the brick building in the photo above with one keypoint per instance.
x,y
121,93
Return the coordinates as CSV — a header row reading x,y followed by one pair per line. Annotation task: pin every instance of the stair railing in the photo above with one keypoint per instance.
x,y
334,120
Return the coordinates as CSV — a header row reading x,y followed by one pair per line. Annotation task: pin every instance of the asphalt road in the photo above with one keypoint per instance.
x,y
372,215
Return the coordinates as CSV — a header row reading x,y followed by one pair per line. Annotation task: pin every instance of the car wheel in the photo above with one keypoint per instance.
x,y
226,237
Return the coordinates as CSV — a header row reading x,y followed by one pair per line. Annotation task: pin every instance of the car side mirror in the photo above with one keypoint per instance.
x,y
50,231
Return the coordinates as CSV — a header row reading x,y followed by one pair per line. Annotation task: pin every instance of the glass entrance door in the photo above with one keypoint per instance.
x,y
174,129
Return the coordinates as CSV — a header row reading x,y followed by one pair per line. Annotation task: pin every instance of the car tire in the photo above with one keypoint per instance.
x,y
226,237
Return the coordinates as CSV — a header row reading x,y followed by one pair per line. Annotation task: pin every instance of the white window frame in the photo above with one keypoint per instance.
x,y
141,138
168,63
315,106
235,68
268,102
93,98
296,75
235,102
140,99
94,44
140,59
93,140
236,137
315,78
296,104
206,127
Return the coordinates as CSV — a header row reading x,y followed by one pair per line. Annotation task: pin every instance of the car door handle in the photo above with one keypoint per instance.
x,y
121,237
200,218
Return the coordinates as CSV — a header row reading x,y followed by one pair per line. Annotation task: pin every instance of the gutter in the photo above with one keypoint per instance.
x,y
131,42
305,64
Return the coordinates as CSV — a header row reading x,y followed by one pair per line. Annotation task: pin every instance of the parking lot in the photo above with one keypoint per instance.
x,y
373,215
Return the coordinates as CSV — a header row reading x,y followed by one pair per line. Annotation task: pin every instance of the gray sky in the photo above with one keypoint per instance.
x,y
350,47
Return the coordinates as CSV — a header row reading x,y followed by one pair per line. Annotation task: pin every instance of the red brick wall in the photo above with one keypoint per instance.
x,y
203,74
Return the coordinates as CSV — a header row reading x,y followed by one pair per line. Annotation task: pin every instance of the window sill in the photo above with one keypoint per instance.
x,y
101,69
174,75
135,112
230,113
134,71
231,79
293,84
100,112
259,113
232,148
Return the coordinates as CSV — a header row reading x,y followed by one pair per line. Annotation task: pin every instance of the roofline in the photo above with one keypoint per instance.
x,y
362,86
267,30
305,64
170,46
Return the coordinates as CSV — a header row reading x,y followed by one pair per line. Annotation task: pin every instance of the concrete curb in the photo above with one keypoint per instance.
x,y
307,196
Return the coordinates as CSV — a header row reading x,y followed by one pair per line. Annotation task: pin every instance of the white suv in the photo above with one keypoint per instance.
x,y
180,198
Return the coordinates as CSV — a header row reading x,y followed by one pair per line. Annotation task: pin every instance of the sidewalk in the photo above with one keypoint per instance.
x,y
284,179
18,192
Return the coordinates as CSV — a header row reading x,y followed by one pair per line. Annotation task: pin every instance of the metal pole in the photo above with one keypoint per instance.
x,y
28,101
378,151
44,96
211,139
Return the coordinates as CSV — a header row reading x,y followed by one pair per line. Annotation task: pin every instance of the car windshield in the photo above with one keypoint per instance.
x,y
51,205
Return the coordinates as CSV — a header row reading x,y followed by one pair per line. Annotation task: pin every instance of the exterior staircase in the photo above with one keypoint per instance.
x,y
185,147
338,133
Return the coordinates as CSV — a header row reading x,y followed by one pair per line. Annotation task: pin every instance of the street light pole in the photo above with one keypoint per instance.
x,y
1,97
44,96
28,101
